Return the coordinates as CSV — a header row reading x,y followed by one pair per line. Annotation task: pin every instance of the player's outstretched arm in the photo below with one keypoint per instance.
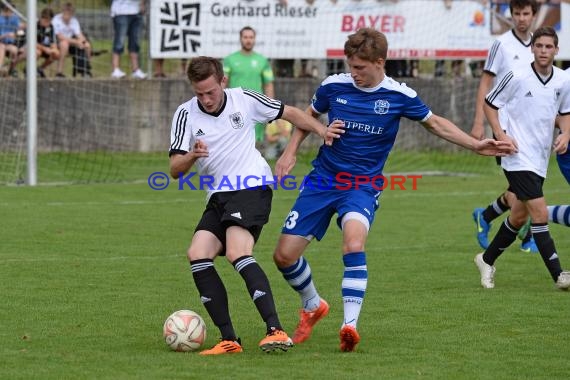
x,y
310,124
288,158
445,129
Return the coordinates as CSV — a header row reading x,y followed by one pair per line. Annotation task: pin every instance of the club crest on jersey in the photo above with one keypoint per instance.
x,y
237,120
557,92
381,107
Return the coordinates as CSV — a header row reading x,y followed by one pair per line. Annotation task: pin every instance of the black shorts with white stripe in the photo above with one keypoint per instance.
x,y
248,208
526,185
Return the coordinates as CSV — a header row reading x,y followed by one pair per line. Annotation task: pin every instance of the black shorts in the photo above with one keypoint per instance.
x,y
525,185
249,209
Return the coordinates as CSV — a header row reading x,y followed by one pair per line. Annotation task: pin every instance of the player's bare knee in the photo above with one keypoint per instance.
x,y
353,245
283,259
279,259
190,254
508,198
234,254
195,253
517,221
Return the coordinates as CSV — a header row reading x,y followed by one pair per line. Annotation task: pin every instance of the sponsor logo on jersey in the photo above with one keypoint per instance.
x,y
528,95
341,100
200,133
237,120
381,107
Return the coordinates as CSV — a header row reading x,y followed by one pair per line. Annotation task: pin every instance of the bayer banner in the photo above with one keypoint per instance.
x,y
420,29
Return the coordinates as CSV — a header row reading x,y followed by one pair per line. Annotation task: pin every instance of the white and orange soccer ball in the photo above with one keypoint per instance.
x,y
184,330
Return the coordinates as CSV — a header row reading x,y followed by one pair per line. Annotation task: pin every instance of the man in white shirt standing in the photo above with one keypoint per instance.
x,y
71,41
128,20
215,130
530,99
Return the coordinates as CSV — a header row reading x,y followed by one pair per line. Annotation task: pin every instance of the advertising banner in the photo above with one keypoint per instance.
x,y
316,29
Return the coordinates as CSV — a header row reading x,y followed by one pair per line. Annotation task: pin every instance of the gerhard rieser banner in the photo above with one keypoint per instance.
x,y
317,29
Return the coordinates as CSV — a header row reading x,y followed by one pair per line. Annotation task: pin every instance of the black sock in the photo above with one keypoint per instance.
x,y
213,295
495,209
502,240
259,290
546,248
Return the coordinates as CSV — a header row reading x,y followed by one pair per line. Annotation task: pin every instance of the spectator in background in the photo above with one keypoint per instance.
x,y
247,69
9,26
395,68
277,134
159,67
127,22
71,41
46,46
456,64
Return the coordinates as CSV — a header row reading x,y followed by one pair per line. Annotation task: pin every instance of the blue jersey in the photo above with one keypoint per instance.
x,y
371,117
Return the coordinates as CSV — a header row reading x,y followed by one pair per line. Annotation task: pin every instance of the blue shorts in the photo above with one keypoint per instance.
x,y
314,208
564,164
127,25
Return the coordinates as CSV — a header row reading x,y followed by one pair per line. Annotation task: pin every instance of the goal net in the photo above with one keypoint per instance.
x,y
102,129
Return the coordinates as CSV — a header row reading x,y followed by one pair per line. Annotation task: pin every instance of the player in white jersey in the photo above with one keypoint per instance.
x,y
531,98
215,132
509,52
371,105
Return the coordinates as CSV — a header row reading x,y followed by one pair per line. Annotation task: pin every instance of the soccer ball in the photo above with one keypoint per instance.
x,y
184,330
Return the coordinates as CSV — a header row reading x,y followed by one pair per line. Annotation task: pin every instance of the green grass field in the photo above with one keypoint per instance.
x,y
88,274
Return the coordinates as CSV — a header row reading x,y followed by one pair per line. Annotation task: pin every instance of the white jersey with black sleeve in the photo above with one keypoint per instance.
x,y
233,162
530,105
507,53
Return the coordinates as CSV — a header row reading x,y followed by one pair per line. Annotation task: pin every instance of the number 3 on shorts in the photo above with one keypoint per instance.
x,y
291,220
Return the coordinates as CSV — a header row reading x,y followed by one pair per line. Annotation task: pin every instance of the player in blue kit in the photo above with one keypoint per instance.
x,y
370,104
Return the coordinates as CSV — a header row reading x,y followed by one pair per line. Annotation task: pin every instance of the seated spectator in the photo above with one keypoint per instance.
x,y
71,41
9,27
277,135
46,46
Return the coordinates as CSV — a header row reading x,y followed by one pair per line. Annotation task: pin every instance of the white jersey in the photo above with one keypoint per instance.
x,y
507,53
125,7
70,30
530,106
233,162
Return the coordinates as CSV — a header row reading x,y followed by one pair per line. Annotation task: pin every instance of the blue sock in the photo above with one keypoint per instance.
x,y
559,214
354,283
299,277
